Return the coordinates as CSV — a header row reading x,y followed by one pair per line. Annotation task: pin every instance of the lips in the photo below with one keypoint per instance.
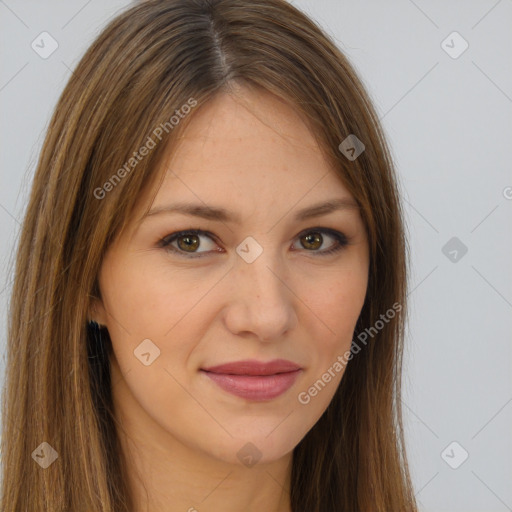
x,y
250,367
254,380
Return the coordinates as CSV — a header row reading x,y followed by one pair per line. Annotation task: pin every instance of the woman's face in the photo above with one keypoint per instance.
x,y
272,278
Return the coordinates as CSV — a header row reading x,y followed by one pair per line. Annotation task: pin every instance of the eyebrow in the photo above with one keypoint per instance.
x,y
222,215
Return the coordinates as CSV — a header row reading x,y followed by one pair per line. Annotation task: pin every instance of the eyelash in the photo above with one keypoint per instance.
x,y
340,241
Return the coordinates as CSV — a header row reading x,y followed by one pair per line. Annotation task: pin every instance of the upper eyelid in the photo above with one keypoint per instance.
x,y
184,232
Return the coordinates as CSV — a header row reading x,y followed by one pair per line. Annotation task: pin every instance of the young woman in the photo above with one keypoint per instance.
x,y
209,299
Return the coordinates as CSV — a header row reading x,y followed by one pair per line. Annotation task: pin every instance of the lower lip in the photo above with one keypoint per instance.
x,y
255,387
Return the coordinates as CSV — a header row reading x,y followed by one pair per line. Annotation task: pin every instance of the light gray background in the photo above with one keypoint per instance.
x,y
448,121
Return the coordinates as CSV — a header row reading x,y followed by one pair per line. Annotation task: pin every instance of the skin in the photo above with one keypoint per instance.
x,y
253,155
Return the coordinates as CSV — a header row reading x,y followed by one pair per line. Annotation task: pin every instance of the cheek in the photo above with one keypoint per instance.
x,y
337,303
336,306
149,301
152,312
146,297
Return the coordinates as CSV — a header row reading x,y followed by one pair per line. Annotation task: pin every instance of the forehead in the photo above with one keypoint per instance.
x,y
251,154
251,140
239,117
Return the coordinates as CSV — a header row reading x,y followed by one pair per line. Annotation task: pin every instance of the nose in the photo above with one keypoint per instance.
x,y
261,304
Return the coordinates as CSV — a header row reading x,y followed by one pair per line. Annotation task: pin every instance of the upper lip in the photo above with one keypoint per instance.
x,y
253,367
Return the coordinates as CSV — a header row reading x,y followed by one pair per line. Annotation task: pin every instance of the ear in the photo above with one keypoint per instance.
x,y
97,312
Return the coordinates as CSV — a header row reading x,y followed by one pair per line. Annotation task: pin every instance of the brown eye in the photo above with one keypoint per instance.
x,y
315,238
188,243
312,240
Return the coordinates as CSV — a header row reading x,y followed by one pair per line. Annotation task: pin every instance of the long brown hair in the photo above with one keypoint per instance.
x,y
146,64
